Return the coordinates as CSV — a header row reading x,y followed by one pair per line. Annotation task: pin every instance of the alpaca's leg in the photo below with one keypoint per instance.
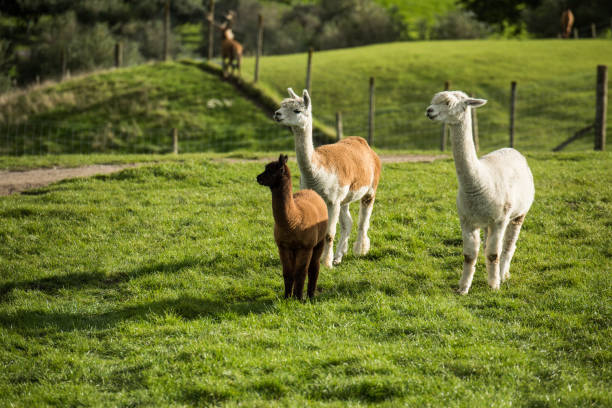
x,y
471,245
346,223
492,252
224,69
485,231
313,269
302,261
288,261
362,243
333,212
509,246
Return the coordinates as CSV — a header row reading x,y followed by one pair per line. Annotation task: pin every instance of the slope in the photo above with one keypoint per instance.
x,y
134,110
556,87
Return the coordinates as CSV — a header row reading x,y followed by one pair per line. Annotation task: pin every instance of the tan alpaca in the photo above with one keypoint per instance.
x,y
341,173
567,21
231,50
300,224
231,56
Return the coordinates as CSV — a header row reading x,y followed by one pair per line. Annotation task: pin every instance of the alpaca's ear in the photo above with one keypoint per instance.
x,y
306,98
282,158
292,94
475,103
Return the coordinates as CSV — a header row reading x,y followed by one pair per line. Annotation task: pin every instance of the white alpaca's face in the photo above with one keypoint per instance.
x,y
451,106
294,111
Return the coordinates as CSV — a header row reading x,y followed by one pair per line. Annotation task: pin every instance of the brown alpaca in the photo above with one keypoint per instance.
x,y
567,21
231,50
300,223
231,56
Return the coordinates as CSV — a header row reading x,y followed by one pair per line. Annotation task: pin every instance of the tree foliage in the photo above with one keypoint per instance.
x,y
499,12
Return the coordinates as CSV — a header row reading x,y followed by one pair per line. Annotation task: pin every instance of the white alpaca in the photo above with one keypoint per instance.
x,y
341,173
495,192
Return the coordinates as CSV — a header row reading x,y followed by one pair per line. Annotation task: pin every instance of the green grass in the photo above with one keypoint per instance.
x,y
556,88
133,110
161,286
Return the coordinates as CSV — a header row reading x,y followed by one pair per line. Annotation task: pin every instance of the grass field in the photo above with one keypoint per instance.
x,y
161,286
132,110
555,98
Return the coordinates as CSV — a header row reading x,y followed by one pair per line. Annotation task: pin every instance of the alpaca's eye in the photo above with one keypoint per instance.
x,y
297,111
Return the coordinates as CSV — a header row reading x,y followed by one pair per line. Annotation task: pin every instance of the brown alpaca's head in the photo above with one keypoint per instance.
x,y
275,173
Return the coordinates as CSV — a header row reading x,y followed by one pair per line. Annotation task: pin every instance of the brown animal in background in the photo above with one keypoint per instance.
x,y
300,223
231,50
567,21
231,56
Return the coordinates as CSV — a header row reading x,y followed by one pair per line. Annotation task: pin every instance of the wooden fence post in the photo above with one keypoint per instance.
x,y
339,125
211,29
475,128
512,110
64,63
259,46
371,113
175,140
166,30
601,106
593,30
444,128
308,68
118,54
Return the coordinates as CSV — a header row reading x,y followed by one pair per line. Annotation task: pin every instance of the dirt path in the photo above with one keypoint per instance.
x,y
17,181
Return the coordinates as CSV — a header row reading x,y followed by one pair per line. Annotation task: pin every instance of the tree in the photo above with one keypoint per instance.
x,y
499,12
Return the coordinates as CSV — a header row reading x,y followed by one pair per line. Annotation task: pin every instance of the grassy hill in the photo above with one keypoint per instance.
x,y
133,110
556,87
161,286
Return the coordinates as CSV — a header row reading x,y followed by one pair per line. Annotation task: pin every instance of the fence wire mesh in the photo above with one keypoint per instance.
x,y
544,119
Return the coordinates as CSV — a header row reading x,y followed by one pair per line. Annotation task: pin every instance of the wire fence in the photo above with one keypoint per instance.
x,y
54,138
546,115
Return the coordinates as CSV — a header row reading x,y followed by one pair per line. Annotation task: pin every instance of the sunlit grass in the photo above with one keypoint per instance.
x,y
555,93
161,285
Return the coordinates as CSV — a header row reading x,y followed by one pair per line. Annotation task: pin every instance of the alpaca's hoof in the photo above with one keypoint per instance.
x,y
463,291
327,263
494,285
337,260
362,247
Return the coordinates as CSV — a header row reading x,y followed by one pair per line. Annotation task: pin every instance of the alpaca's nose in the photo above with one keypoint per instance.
x,y
277,115
429,110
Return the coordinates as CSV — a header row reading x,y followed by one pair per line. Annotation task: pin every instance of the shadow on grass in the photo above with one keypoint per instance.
x,y
52,284
185,307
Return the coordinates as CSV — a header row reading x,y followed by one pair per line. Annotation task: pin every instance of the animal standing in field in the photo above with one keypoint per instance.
x,y
567,21
231,54
300,224
495,191
341,173
231,50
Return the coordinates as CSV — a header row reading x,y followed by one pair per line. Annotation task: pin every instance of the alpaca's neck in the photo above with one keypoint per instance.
x,y
304,148
283,206
469,172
